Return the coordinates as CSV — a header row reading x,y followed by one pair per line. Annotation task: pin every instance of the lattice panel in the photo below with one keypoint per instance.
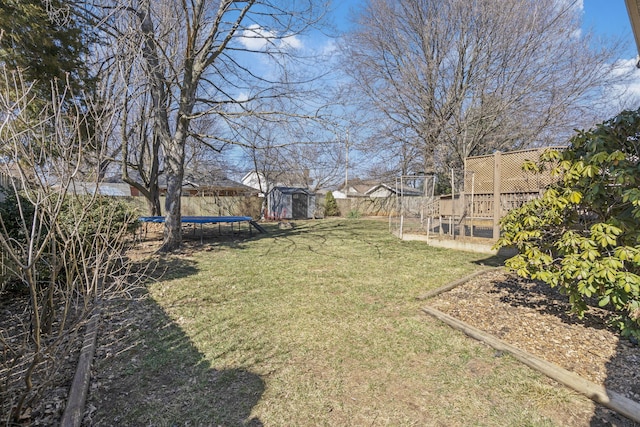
x,y
480,175
509,165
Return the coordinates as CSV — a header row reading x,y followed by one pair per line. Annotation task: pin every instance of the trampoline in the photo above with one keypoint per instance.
x,y
199,219
232,220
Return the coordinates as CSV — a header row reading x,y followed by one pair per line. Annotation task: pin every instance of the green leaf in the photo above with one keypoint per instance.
x,y
575,197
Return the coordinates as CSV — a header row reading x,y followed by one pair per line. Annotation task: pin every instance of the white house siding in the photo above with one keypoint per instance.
x,y
381,192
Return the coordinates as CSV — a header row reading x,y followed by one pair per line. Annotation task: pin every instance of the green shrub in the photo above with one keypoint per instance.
x,y
354,214
330,205
99,215
16,212
82,227
13,209
583,234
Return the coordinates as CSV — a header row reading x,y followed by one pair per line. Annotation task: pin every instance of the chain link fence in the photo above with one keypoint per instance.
x,y
415,204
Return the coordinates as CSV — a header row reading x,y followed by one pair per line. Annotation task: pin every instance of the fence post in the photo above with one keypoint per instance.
x,y
497,185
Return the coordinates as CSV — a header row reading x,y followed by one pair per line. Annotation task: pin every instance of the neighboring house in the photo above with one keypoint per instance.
x,y
359,190
82,188
290,203
194,183
264,184
117,179
385,190
355,188
255,180
208,184
374,189
215,187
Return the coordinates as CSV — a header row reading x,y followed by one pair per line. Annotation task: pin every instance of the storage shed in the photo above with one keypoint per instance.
x,y
290,203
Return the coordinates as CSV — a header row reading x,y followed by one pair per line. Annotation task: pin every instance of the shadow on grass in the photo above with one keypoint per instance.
x,y
147,370
498,259
214,236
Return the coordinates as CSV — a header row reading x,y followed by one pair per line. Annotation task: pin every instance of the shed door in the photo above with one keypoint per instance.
x,y
299,208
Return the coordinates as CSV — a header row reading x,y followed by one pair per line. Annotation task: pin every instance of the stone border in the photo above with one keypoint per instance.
x,y
74,410
612,400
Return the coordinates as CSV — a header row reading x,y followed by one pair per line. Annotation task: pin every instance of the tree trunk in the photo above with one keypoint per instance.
x,y
174,159
153,202
172,223
172,208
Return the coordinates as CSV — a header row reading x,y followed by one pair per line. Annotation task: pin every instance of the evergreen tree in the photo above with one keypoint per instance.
x,y
43,39
330,205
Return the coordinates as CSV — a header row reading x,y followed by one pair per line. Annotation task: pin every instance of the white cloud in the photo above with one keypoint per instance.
x,y
242,97
577,5
330,47
292,42
257,38
626,93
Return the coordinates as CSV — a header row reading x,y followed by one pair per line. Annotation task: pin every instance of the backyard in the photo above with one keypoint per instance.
x,y
315,325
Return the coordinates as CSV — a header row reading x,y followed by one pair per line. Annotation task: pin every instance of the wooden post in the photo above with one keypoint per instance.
x,y
473,185
497,184
453,206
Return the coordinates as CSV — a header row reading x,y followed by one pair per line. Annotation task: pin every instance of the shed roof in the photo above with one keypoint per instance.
x,y
292,190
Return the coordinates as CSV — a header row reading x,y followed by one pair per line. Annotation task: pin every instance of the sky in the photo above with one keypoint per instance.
x,y
609,18
605,17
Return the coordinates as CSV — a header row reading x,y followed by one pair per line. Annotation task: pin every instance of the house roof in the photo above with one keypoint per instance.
x,y
220,183
403,191
103,188
359,188
277,178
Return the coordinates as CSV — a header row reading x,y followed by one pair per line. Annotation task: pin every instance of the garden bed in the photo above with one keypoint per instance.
x,y
535,318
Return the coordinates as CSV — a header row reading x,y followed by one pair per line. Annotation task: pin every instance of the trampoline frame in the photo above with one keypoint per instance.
x,y
202,220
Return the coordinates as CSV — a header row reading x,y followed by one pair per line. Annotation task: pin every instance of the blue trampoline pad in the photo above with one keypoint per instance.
x,y
199,219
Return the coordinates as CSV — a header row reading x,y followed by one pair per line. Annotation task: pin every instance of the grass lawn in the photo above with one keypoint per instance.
x,y
318,325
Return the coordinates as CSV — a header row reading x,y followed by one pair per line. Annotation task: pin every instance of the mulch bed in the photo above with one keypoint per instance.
x,y
535,318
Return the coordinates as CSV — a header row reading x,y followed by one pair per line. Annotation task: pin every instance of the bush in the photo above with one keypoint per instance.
x,y
16,213
330,205
99,215
13,209
354,214
583,234
82,227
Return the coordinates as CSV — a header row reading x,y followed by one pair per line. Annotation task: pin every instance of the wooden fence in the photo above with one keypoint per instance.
x,y
367,206
208,205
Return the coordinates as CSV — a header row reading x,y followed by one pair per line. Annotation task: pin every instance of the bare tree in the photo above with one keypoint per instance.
x,y
194,60
293,153
453,78
61,250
